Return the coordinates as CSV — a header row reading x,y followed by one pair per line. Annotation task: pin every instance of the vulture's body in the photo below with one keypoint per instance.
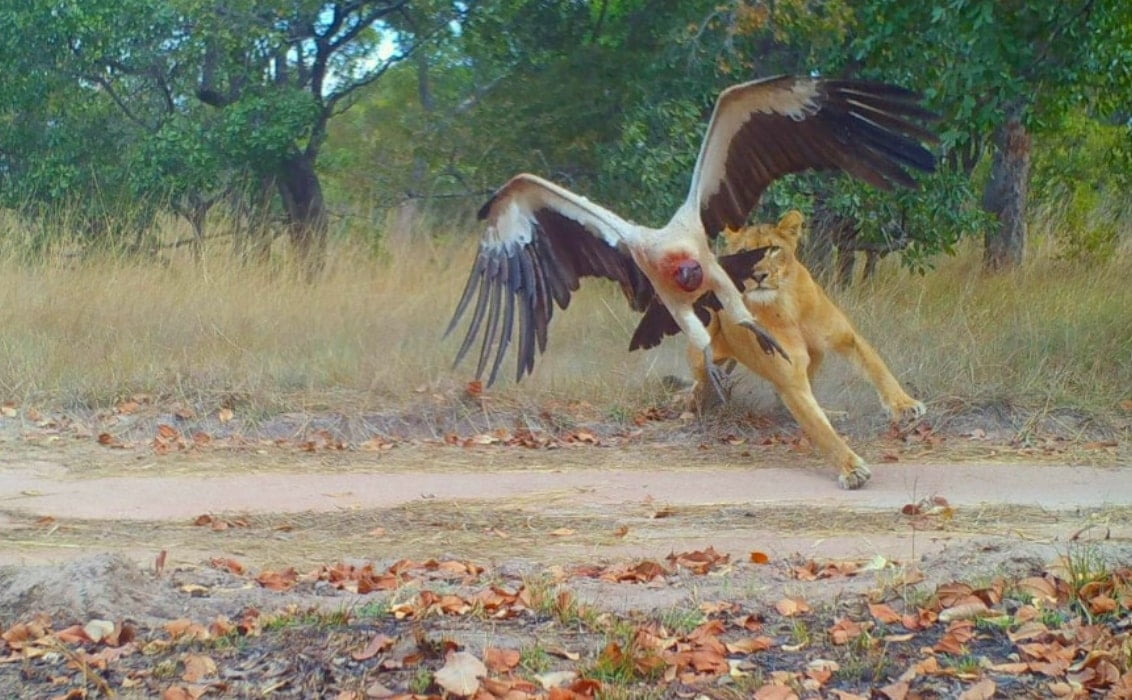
x,y
541,238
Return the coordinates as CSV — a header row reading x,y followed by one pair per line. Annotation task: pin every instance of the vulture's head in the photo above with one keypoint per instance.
x,y
684,271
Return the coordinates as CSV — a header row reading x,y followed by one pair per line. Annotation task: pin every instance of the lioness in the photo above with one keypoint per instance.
x,y
795,309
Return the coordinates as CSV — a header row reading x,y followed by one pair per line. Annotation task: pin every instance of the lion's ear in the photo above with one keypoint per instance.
x,y
731,238
790,224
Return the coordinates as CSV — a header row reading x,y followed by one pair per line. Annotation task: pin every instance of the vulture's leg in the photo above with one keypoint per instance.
x,y
732,301
694,328
715,375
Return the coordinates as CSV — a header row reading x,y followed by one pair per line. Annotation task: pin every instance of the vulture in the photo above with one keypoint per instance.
x,y
540,239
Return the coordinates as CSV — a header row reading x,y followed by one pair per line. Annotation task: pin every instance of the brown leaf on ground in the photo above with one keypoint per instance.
x,y
198,667
185,629
750,645
921,619
774,691
845,630
983,690
757,557
108,440
790,607
277,580
949,594
884,613
1102,604
500,660
895,691
376,645
580,689
954,640
699,562
812,571
461,673
227,564
969,609
1041,589
641,572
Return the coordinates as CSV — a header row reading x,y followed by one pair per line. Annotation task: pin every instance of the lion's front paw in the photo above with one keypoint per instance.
x,y
906,410
855,476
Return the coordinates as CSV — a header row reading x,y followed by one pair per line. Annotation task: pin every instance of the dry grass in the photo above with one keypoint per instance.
x,y
368,334
1053,334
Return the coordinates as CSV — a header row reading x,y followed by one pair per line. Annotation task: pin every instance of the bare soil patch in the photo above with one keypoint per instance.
x,y
149,530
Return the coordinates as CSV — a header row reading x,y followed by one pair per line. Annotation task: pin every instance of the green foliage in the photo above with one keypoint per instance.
x,y
139,106
1081,166
648,169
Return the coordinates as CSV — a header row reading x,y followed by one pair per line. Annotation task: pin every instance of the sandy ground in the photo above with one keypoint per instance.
x,y
60,504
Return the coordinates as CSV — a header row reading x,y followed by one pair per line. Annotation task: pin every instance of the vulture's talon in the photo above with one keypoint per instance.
x,y
766,340
715,375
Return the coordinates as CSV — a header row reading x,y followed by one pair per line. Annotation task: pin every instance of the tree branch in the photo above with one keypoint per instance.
x,y
364,22
109,89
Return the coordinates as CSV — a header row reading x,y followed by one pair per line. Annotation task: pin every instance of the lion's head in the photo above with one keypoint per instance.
x,y
775,268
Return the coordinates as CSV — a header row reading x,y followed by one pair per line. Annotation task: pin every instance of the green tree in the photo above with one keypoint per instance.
x,y
207,88
998,71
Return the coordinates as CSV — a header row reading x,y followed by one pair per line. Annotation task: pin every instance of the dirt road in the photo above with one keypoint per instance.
x,y
541,504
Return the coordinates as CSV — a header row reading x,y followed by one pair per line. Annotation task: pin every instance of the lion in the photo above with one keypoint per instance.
x,y
783,296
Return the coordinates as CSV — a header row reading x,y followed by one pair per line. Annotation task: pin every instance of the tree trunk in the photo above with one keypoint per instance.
x,y
1005,194
307,224
252,231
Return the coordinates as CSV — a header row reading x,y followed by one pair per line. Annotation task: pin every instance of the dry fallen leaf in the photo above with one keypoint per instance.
x,y
563,653
789,607
500,660
555,679
884,614
378,644
197,667
98,629
461,673
775,692
895,691
1039,588
967,610
749,645
983,690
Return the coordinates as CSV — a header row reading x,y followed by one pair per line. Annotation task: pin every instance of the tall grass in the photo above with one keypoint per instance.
x,y
85,332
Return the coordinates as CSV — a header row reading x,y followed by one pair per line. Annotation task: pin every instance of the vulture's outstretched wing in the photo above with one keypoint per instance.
x,y
764,129
658,322
539,241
